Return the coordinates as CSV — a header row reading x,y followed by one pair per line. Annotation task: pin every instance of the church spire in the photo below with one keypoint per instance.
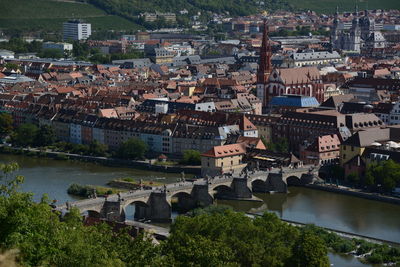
x,y
265,66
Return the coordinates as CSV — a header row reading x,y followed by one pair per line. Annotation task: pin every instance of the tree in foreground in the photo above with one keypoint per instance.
x,y
216,237
310,250
133,148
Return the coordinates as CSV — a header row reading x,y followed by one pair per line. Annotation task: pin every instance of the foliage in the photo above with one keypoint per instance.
x,y
45,136
133,148
95,148
329,7
40,16
384,254
280,145
337,243
240,240
18,45
30,135
25,135
191,157
51,53
88,190
386,175
337,172
353,178
6,124
310,250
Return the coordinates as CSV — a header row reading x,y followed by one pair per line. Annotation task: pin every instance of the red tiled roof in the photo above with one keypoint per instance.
x,y
225,151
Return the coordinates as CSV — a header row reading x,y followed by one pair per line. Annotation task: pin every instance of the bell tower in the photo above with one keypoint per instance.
x,y
264,67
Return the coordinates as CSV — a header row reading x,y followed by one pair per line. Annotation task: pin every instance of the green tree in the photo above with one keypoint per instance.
x,y
11,66
280,145
353,178
97,149
6,124
45,136
45,240
133,148
242,241
310,250
51,53
385,174
191,157
25,135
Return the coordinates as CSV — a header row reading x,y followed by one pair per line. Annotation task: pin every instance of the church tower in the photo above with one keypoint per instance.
x,y
334,32
264,67
355,34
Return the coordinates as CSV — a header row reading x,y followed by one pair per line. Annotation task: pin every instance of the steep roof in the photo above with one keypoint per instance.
x,y
367,137
225,151
299,75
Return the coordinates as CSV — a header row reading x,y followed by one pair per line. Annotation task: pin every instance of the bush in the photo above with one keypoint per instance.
x,y
191,157
364,247
134,148
128,179
343,246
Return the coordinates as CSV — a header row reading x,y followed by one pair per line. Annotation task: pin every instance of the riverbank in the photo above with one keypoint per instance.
x,y
355,193
365,249
111,162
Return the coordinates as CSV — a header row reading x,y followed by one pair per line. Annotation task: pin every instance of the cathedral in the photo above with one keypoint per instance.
x,y
304,81
363,34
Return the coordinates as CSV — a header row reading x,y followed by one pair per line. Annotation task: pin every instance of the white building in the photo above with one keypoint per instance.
x,y
59,46
76,30
6,54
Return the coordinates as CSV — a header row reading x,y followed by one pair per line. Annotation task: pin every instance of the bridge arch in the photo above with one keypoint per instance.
x,y
259,186
293,181
221,191
90,214
182,201
136,209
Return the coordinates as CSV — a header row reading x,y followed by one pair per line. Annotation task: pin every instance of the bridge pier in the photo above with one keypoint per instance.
x,y
201,195
240,188
273,183
160,209
112,211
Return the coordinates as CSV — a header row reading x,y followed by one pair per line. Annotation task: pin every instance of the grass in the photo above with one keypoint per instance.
x,y
87,190
329,6
50,14
166,163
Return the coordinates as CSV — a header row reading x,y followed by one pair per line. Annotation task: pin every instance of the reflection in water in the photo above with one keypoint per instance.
x,y
53,177
346,213
345,261
340,212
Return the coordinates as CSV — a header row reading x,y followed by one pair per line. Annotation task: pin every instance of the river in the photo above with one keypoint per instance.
x,y
340,212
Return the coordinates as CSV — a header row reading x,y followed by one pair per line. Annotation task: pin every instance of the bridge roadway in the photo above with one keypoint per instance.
x,y
172,189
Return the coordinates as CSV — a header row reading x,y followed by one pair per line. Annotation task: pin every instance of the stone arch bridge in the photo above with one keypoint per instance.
x,y
156,204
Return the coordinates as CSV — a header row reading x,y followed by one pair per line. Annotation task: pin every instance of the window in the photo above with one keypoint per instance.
x,y
222,164
231,162
352,148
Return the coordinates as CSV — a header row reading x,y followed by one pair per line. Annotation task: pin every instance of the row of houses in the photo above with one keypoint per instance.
x,y
162,134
